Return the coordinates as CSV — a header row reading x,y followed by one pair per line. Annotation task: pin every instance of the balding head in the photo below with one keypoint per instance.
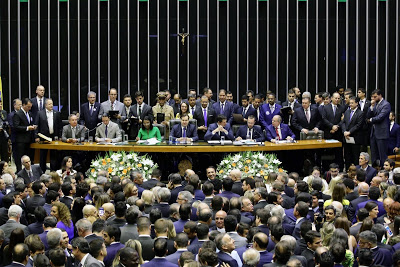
x,y
376,181
236,175
387,202
109,210
363,188
260,241
89,210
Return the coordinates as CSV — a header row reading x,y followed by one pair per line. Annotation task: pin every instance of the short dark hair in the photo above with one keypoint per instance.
x,y
26,101
120,209
374,193
66,188
302,186
230,223
131,215
361,174
305,227
366,257
277,231
36,186
282,252
338,252
207,188
310,236
377,91
57,257
227,184
185,257
98,225
138,94
50,221
80,243
209,257
40,213
273,197
160,247
205,215
184,211
221,118
362,214
250,182
51,196
202,231
302,208
349,183
113,231
95,247
326,259
217,203
264,215
181,240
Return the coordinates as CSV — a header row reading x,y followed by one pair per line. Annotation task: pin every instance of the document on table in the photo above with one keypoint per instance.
x,y
350,140
151,141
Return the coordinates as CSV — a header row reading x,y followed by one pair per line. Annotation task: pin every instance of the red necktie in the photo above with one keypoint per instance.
x,y
277,133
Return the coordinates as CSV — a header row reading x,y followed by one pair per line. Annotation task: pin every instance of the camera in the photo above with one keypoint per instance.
x,y
321,216
4,127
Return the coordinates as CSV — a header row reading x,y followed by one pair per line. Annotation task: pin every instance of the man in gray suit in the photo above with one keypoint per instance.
x,y
113,104
81,250
108,131
73,132
14,215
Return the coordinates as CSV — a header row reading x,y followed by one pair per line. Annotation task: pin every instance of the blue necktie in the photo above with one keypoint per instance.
x,y
351,114
184,132
205,117
106,131
222,109
27,116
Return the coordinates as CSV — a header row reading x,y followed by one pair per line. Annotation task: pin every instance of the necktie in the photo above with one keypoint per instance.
x,y
40,104
192,110
250,133
184,132
73,133
277,133
272,108
222,109
106,131
351,114
334,110
27,116
112,106
205,116
91,109
140,111
244,111
30,175
308,116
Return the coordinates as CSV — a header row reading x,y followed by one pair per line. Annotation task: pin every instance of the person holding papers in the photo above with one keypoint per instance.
x,y
148,131
218,129
352,126
278,130
184,131
251,131
108,131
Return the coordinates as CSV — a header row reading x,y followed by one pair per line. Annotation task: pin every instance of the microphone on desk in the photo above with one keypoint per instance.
x,y
98,124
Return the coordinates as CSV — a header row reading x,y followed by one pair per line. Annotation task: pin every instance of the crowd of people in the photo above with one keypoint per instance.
x,y
347,215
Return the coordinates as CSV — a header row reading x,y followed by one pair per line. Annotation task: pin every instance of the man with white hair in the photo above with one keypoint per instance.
x,y
84,229
8,182
29,172
163,197
363,164
14,216
292,245
251,257
54,238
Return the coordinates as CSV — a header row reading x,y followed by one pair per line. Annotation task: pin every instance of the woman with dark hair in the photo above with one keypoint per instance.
x,y
148,131
63,216
77,209
338,194
3,166
66,167
17,236
344,223
373,209
184,111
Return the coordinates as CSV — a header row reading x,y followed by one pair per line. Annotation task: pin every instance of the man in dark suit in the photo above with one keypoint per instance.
x,y
89,113
80,250
293,104
226,245
218,129
246,110
363,164
24,128
181,243
69,191
39,101
155,179
20,255
364,105
137,114
112,235
378,117
49,124
229,98
368,240
305,119
143,226
205,116
37,200
17,104
163,197
160,251
224,107
313,241
184,132
394,135
4,136
300,212
363,189
268,111
254,132
277,127
207,92
352,125
30,172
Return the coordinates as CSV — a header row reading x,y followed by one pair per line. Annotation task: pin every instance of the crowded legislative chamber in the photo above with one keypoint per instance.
x,y
199,133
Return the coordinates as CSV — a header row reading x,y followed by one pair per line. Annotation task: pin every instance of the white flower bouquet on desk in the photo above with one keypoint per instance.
x,y
252,164
121,163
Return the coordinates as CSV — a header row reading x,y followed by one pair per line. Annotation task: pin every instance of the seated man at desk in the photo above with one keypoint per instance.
x,y
254,132
184,130
218,129
73,132
108,131
278,130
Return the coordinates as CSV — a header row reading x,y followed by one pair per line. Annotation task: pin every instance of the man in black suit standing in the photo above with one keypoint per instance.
x,y
38,102
246,110
331,117
49,124
137,113
364,105
143,226
306,119
23,125
352,125
17,104
205,115
30,172
291,102
37,200
89,113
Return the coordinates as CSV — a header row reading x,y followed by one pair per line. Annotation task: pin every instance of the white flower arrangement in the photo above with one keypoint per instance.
x,y
121,164
252,164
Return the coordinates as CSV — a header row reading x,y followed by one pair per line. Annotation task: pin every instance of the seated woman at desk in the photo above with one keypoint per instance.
x,y
148,131
184,111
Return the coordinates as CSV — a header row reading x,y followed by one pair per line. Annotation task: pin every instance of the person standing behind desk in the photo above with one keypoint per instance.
x,y
378,117
139,111
89,113
148,130
108,131
38,102
205,115
112,104
184,130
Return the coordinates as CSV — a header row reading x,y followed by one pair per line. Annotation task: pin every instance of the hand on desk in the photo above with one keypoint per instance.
x,y
203,128
72,140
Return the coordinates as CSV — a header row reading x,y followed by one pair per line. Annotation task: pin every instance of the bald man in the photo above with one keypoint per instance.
x,y
109,212
376,181
236,176
386,204
363,189
38,102
219,221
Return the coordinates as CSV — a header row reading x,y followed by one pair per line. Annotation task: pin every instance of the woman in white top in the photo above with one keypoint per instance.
x,y
66,167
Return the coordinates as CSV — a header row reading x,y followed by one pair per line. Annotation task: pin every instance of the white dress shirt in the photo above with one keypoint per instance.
x,y
50,121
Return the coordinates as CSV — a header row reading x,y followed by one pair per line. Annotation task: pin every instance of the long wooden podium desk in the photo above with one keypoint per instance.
x,y
196,147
